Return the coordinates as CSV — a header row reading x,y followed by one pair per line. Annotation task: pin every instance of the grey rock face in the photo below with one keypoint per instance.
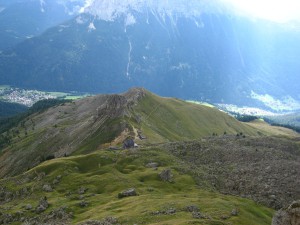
x,y
290,215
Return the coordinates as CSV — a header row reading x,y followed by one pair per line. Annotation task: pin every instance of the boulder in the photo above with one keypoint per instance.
x,y
152,165
129,143
28,207
83,204
55,181
43,205
192,208
47,188
235,212
198,215
166,175
170,211
82,190
60,214
127,193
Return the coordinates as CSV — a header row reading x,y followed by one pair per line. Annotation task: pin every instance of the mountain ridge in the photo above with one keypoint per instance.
x,y
85,125
67,161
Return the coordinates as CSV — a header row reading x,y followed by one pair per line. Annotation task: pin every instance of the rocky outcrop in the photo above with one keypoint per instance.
x,y
192,208
42,206
106,221
83,204
7,195
288,216
47,188
170,211
235,212
59,216
166,175
129,143
82,190
127,193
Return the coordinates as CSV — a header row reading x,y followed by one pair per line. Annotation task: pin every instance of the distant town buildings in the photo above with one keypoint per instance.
x,y
22,96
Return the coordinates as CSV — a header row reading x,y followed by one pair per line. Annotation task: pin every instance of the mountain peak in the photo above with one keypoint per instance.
x,y
110,10
135,94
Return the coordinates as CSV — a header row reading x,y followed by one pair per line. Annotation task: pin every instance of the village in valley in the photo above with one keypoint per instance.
x,y
29,97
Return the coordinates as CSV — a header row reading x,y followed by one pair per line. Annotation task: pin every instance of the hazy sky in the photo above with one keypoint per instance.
x,y
281,11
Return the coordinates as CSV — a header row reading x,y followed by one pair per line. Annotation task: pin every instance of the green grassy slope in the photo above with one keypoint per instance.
x,y
172,119
273,130
106,173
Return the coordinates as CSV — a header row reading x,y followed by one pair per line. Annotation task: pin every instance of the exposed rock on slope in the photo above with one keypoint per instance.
x,y
263,169
288,216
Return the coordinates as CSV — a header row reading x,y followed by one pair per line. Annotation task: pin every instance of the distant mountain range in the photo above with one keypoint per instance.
x,y
193,50
24,19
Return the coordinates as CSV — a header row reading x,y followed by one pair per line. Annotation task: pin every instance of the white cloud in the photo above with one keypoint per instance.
x,y
280,11
285,104
71,7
